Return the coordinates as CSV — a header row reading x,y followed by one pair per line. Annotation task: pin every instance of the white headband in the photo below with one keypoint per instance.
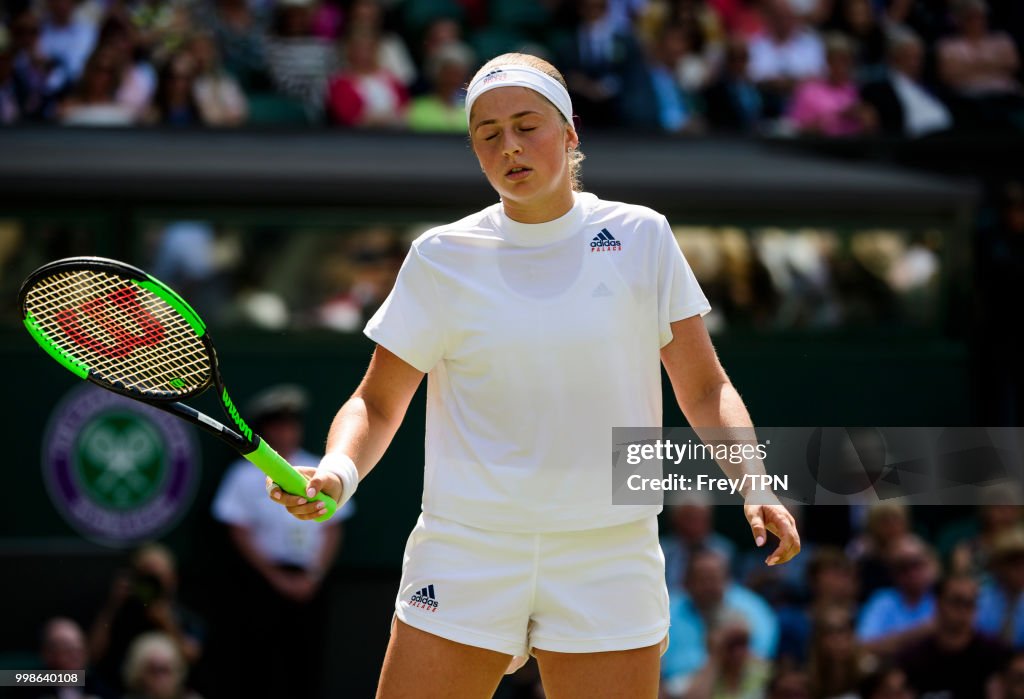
x,y
521,76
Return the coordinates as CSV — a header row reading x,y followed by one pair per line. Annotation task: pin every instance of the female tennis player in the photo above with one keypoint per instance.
x,y
540,321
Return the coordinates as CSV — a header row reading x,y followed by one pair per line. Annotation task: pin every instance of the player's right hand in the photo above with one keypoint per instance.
x,y
304,506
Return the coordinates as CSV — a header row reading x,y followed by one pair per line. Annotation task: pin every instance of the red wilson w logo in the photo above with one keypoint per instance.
x,y
100,312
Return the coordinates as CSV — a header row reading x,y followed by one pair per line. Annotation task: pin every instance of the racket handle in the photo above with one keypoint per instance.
x,y
290,480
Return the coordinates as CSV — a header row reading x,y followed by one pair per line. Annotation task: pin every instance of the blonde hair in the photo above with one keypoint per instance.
x,y
576,156
154,548
146,646
884,509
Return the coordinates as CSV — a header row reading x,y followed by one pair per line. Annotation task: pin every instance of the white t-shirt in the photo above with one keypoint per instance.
x,y
242,501
922,113
802,56
537,339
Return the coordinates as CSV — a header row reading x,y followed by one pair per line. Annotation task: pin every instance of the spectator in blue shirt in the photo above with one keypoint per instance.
x,y
34,87
896,616
675,109
733,102
709,598
1001,602
600,62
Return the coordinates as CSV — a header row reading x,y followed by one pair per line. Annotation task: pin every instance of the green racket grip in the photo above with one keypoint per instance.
x,y
290,480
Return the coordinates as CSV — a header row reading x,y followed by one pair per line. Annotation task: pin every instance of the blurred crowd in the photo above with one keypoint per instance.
x,y
145,641
821,67
764,278
141,644
277,278
876,612
877,606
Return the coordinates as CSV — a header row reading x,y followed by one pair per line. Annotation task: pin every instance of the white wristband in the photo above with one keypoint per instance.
x,y
344,468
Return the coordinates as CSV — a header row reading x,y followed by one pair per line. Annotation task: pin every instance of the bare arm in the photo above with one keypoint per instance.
x,y
702,389
710,402
1001,57
363,427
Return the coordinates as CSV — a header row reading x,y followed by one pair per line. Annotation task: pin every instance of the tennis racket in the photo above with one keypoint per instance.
x,y
121,329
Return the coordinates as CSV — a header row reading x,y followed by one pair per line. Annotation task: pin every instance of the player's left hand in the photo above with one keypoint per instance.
x,y
775,518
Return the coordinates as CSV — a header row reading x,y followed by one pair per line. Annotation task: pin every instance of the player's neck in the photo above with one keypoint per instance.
x,y
548,209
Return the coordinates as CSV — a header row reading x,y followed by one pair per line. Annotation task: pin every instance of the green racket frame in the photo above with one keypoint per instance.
x,y
244,440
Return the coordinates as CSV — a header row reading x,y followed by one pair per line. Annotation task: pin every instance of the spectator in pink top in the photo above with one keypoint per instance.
x,y
365,94
831,106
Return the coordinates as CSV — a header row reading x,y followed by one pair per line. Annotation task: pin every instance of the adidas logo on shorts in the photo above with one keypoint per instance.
x,y
425,599
605,242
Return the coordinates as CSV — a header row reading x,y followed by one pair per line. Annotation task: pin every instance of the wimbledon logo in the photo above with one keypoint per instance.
x,y
118,471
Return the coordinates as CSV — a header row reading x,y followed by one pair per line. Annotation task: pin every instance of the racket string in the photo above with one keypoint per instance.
x,y
123,333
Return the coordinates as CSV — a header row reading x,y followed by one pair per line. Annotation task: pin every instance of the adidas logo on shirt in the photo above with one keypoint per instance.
x,y
605,242
425,599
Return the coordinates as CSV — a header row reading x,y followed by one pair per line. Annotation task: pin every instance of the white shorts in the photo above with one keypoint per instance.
x,y
570,592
